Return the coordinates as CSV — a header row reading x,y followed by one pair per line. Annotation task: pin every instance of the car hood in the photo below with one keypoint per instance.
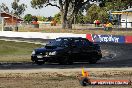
x,y
48,49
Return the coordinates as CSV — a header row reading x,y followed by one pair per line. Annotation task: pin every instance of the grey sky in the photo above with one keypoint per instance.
x,y
46,11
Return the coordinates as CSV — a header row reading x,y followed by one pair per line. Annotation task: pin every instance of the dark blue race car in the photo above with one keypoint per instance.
x,y
66,50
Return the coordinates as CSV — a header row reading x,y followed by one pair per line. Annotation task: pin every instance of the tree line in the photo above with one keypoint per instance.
x,y
72,10
69,9
17,8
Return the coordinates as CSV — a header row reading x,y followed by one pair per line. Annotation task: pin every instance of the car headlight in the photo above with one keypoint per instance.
x,y
52,53
33,52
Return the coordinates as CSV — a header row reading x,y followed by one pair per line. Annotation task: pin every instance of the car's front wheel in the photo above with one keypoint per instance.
x,y
39,62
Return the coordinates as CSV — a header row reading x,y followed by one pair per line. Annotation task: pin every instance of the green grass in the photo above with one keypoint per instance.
x,y
16,51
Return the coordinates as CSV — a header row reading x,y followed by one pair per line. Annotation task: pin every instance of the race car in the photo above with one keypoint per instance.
x,y
66,50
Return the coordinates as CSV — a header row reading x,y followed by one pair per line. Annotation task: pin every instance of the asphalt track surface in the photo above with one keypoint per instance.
x,y
119,56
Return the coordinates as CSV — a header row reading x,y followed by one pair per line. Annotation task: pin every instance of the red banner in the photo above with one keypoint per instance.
x,y
128,39
89,37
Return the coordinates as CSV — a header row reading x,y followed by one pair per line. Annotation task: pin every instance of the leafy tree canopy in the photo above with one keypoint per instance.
x,y
18,9
28,18
118,5
96,13
71,8
68,9
4,7
57,18
41,18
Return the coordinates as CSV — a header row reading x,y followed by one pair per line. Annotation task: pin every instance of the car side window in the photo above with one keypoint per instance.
x,y
65,42
77,42
86,42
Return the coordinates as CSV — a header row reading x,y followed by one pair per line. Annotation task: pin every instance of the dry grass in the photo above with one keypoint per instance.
x,y
50,29
78,29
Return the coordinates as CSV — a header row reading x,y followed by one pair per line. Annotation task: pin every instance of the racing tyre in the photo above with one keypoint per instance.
x,y
39,62
85,82
70,62
64,61
93,61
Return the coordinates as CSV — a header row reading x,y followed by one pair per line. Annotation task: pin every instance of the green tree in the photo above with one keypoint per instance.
x,y
4,8
68,9
57,17
44,18
40,18
28,18
18,9
118,5
79,18
96,13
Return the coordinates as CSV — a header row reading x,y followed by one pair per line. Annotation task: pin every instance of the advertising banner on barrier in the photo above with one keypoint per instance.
x,y
89,37
128,39
108,38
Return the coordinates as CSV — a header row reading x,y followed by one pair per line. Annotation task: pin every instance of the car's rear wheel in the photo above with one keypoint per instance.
x,y
39,62
93,60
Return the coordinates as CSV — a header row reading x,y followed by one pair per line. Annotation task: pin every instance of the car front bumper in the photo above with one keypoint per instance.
x,y
45,58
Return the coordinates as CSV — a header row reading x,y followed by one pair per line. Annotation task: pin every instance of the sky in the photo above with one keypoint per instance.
x,y
46,11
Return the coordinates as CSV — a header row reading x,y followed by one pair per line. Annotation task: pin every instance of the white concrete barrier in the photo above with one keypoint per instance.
x,y
39,35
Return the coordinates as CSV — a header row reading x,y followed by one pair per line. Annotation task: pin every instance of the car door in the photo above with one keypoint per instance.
x,y
76,49
86,49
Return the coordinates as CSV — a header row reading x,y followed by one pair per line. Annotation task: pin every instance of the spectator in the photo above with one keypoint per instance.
x,y
107,26
97,23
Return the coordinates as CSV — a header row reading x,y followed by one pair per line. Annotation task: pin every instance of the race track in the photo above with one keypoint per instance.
x,y
118,56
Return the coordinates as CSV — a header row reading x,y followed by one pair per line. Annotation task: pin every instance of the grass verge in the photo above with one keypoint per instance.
x,y
77,30
11,51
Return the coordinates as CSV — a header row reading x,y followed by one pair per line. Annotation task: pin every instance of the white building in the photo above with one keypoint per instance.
x,y
126,17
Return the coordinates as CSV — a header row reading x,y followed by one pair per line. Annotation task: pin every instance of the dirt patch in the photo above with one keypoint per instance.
x,y
60,79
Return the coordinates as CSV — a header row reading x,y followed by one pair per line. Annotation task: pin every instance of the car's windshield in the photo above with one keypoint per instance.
x,y
59,42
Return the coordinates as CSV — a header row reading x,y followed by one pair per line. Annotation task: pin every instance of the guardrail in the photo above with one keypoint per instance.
x,y
39,35
91,37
